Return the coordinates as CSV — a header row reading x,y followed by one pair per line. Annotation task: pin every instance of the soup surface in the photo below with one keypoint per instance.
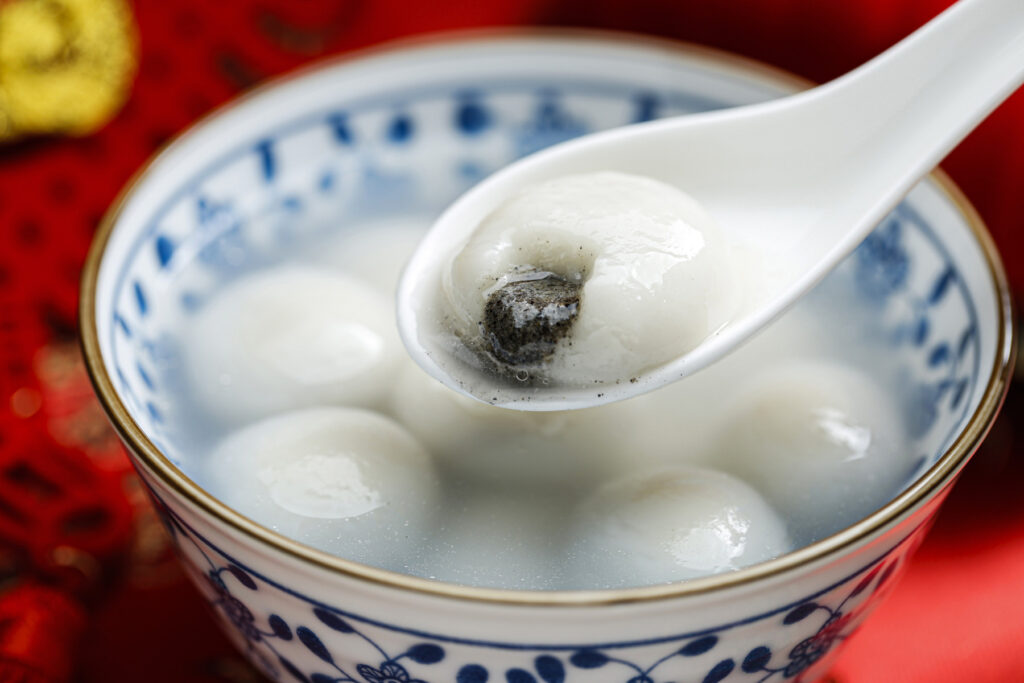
x,y
295,404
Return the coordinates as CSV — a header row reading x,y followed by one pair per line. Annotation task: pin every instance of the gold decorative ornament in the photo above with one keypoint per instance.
x,y
66,66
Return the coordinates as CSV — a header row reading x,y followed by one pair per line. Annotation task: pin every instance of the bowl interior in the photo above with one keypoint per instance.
x,y
403,133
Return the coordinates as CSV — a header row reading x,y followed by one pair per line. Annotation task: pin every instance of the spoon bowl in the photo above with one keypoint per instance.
x,y
797,182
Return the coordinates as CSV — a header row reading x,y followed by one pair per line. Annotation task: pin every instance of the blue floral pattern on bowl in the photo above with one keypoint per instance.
x,y
817,622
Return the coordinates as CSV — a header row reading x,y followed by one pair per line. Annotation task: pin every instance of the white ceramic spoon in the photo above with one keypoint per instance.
x,y
801,179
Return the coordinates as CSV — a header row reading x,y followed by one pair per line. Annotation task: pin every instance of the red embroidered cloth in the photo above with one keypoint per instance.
x,y
955,617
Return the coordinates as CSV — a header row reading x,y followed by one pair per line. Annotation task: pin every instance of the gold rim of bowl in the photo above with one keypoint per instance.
x,y
932,481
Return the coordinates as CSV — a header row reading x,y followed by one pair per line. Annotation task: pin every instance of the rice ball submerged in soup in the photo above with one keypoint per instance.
x,y
785,441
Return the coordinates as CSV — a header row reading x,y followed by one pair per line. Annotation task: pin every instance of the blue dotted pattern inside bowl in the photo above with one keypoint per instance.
x,y
331,169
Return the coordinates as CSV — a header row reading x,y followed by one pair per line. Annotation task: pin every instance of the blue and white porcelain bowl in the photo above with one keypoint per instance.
x,y
406,130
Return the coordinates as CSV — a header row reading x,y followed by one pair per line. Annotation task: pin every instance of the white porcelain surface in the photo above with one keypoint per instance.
x,y
799,182
403,133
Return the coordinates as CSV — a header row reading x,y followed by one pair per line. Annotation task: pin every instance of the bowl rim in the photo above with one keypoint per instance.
x,y
925,487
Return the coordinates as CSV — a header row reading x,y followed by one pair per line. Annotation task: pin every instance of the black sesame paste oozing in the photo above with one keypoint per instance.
x,y
525,319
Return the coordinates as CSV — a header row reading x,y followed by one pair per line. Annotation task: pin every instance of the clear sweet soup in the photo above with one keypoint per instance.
x,y
295,403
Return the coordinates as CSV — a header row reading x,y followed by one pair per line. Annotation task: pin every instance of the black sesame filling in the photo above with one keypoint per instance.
x,y
525,319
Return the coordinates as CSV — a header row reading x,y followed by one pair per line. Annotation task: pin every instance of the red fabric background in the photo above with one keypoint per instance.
x,y
955,617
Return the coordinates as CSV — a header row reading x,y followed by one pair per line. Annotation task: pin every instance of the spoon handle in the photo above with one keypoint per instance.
x,y
917,100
